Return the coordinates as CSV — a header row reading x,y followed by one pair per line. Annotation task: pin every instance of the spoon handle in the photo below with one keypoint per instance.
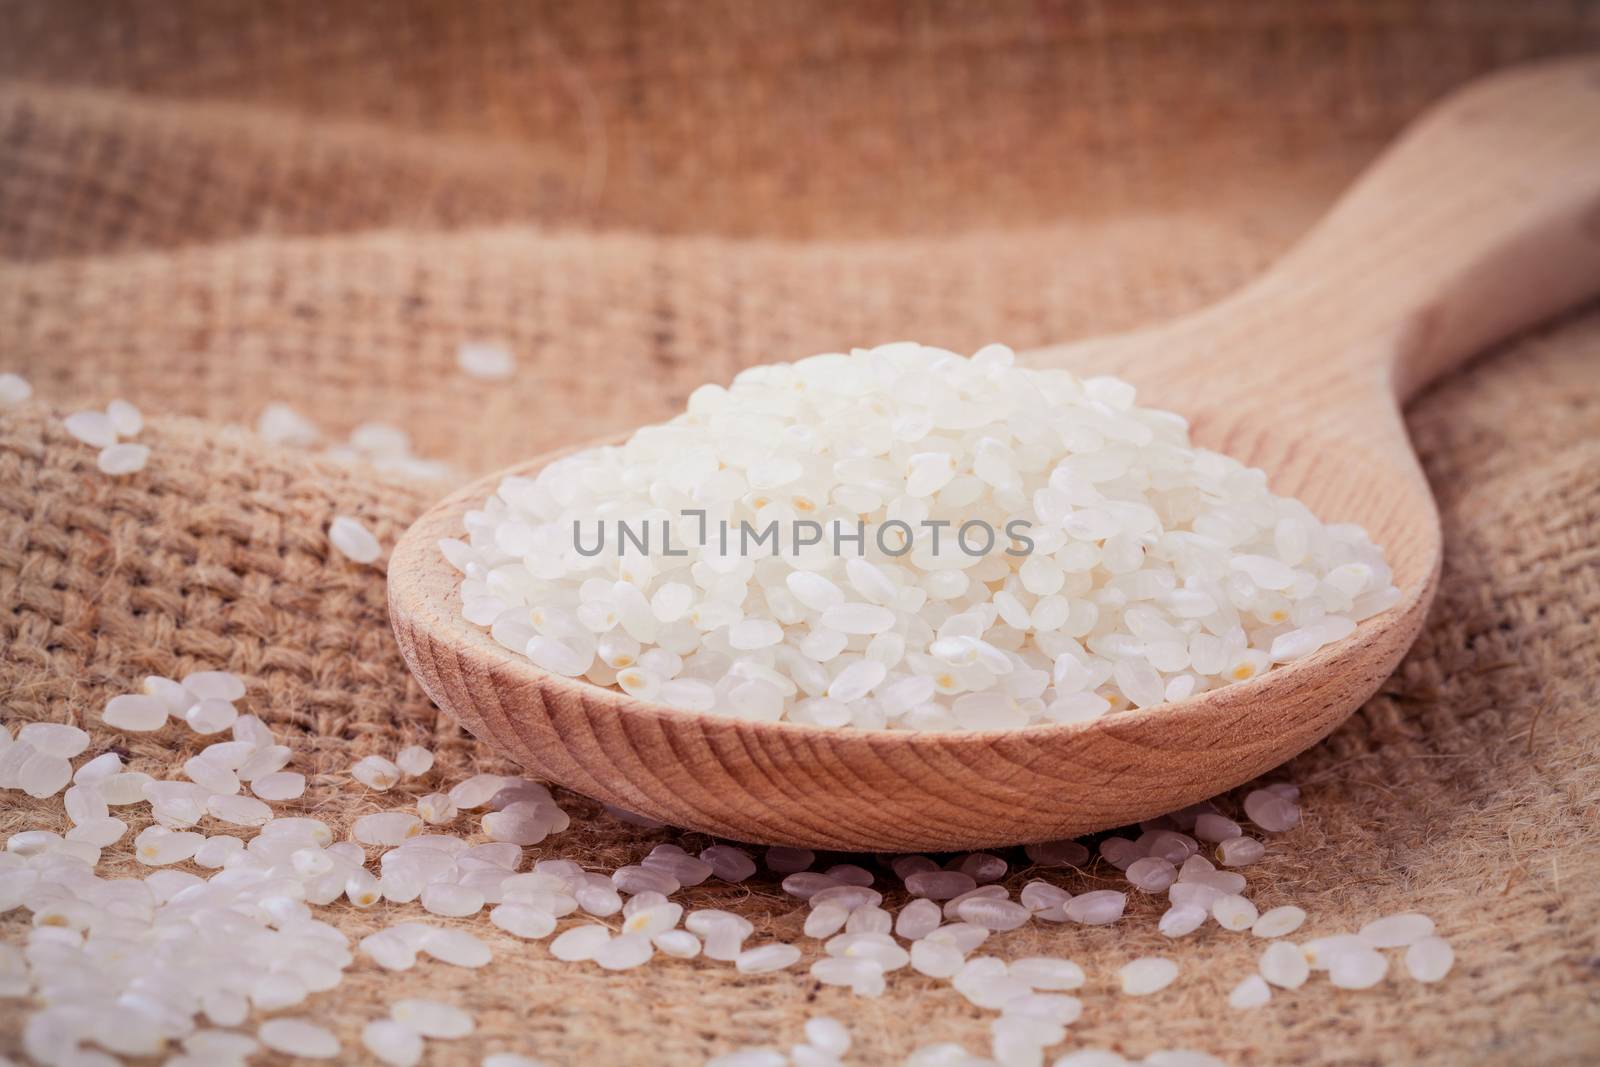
x,y
1482,220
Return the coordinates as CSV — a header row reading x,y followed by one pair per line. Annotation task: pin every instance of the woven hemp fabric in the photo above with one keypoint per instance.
x,y
319,212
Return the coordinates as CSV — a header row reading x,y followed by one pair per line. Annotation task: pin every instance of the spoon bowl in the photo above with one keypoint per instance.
x,y
1482,220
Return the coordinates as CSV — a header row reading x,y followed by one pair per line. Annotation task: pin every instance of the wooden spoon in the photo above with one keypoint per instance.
x,y
1482,220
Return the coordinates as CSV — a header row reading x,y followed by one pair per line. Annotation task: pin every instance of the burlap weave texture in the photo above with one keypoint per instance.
x,y
210,208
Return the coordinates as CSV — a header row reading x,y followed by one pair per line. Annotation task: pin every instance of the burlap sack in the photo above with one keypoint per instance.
x,y
203,210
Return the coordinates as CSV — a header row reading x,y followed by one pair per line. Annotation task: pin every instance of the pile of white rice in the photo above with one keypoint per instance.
x,y
1128,567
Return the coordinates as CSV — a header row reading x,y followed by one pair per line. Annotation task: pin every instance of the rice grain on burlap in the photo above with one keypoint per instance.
x,y
186,236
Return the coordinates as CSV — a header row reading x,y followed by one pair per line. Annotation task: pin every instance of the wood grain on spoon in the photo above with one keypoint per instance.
x,y
1483,220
